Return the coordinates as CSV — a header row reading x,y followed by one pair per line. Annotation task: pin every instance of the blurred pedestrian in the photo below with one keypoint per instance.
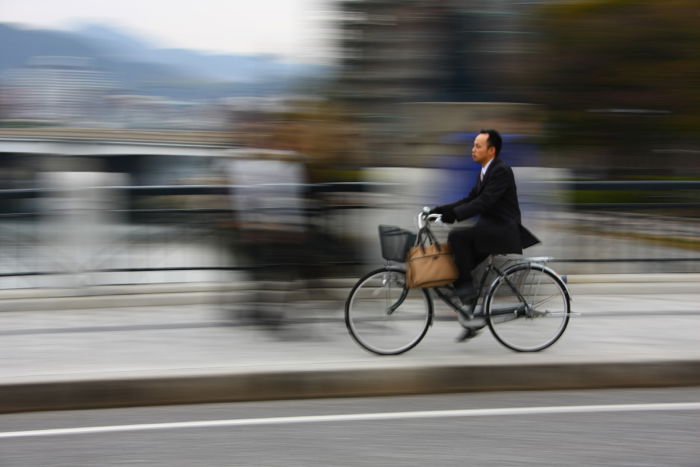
x,y
498,229
270,202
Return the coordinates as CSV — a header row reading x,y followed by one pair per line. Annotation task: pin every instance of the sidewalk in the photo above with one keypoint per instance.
x,y
190,345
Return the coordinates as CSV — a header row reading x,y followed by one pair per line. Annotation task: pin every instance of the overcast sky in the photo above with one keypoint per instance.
x,y
294,29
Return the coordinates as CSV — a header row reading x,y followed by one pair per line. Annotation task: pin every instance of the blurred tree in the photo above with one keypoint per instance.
x,y
619,74
320,129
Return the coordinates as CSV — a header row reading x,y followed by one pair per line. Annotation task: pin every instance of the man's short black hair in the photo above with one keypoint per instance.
x,y
495,139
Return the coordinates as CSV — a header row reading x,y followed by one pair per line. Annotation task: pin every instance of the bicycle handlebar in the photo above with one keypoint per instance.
x,y
425,216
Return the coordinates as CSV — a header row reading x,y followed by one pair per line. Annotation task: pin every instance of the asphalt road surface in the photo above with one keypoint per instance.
x,y
651,427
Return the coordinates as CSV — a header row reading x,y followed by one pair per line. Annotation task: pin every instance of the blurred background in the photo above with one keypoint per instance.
x,y
166,142
177,175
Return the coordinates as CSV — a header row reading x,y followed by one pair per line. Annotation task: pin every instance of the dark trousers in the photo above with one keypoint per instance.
x,y
466,255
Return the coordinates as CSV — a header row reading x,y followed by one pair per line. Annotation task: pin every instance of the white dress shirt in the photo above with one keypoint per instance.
x,y
484,169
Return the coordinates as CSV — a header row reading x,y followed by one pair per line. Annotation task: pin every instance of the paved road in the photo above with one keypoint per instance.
x,y
613,428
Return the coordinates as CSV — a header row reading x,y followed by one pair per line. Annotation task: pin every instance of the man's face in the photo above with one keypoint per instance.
x,y
481,152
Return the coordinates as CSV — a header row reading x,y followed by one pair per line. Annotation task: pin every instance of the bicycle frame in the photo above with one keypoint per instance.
x,y
424,220
482,283
404,293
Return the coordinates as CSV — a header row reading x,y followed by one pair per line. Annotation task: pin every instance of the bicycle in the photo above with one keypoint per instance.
x,y
525,304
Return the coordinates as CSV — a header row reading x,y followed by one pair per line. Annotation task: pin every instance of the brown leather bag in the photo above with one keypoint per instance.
x,y
430,265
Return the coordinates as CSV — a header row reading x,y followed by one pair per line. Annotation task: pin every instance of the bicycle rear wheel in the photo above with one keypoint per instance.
x,y
385,317
528,308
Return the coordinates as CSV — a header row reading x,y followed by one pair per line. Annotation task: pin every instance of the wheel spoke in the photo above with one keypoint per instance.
x,y
385,318
538,287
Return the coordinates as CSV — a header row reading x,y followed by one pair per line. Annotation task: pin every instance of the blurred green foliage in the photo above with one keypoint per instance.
x,y
25,124
622,74
608,196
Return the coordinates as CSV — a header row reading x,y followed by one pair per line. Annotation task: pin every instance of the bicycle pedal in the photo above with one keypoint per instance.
x,y
476,323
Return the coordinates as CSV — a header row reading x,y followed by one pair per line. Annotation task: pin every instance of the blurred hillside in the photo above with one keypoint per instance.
x,y
142,69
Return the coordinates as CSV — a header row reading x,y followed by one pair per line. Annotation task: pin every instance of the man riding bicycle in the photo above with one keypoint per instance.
x,y
498,230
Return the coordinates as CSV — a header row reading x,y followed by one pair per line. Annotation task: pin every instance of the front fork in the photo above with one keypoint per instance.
x,y
404,293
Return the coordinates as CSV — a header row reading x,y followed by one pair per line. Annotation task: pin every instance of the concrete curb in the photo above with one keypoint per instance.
x,y
346,382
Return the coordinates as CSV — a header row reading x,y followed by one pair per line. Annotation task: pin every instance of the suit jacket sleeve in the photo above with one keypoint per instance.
x,y
470,196
499,181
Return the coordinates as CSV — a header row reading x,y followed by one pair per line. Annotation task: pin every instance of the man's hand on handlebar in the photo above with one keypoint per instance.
x,y
446,213
448,217
437,210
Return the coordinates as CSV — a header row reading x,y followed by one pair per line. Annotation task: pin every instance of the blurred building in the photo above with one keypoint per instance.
x,y
423,50
400,51
74,92
137,111
59,89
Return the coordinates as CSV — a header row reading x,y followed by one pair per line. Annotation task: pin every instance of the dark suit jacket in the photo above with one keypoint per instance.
x,y
495,200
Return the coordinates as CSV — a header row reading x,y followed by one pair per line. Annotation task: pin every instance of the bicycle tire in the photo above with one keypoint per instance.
x,y
383,316
528,308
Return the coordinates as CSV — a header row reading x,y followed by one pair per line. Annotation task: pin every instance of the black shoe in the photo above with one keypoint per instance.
x,y
467,333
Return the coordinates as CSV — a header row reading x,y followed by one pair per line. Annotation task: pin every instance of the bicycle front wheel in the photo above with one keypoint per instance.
x,y
385,317
528,308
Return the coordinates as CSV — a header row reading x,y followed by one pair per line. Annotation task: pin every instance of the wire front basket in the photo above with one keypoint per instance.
x,y
395,242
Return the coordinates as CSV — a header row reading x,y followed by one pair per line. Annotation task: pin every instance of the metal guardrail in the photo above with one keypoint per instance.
x,y
666,227
347,187
161,227
173,217
171,190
